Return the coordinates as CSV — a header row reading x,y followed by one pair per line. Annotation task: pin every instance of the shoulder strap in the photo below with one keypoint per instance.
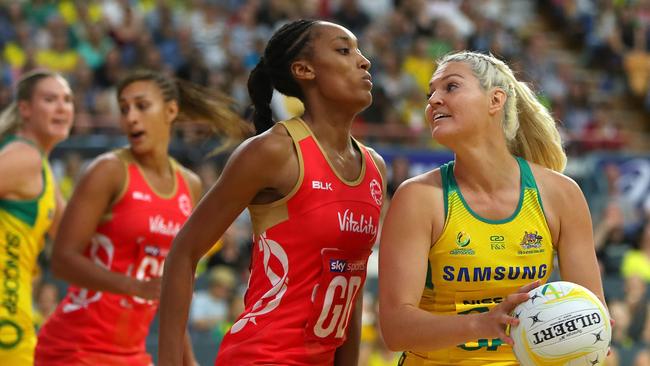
x,y
448,183
11,138
296,128
527,178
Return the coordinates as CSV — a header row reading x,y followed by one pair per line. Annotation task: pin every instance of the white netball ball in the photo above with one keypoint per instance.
x,y
562,323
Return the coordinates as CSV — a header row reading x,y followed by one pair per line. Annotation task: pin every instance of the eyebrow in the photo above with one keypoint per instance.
x,y
136,97
342,38
447,77
55,94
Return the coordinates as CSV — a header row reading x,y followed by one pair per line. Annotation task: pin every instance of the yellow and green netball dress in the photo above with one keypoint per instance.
x,y
477,262
23,225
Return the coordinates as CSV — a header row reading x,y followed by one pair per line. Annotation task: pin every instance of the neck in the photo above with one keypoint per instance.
x,y
45,146
331,129
156,161
486,169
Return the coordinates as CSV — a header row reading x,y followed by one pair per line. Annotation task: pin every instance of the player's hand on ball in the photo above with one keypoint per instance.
x,y
495,322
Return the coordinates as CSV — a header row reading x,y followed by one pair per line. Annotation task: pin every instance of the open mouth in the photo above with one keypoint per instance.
x,y
60,121
438,116
136,134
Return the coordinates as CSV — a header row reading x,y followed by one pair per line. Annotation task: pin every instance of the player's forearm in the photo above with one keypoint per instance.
x,y
79,270
414,329
188,352
178,281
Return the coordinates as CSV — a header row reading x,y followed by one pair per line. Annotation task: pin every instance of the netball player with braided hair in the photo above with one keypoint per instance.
x,y
314,194
119,225
30,203
463,243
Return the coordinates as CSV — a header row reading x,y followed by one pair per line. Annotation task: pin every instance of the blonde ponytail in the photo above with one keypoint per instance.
x,y
537,138
529,128
10,120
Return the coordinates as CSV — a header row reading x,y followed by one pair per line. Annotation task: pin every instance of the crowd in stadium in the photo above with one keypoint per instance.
x,y
584,58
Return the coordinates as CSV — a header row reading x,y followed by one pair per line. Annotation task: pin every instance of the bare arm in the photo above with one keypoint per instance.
x,y
255,165
575,242
58,214
188,351
348,352
408,231
196,188
90,200
21,167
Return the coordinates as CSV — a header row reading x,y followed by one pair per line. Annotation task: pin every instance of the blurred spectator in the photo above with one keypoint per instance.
x,y
58,55
373,350
391,79
602,132
399,172
209,35
609,239
47,299
351,16
636,262
419,65
231,254
94,47
72,166
209,173
210,307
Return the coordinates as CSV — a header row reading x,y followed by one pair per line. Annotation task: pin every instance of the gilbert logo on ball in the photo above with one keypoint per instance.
x,y
562,323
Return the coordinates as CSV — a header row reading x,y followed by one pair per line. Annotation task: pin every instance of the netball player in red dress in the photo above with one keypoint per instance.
x,y
315,196
119,226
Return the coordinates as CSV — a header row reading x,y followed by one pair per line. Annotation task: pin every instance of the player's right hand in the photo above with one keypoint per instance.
x,y
495,322
148,289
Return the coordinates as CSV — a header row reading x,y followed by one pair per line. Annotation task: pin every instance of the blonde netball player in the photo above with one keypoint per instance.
x,y
117,230
462,243
30,204
315,196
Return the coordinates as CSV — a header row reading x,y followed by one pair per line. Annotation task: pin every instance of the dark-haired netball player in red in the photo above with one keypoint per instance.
x,y
315,196
119,225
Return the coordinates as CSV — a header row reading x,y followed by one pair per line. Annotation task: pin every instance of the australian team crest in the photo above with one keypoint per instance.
x,y
531,240
531,243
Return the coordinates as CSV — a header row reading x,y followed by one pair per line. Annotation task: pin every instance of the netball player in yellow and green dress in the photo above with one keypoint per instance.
x,y
30,204
461,245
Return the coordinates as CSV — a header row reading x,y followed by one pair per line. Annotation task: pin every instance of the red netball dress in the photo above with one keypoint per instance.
x,y
308,263
100,328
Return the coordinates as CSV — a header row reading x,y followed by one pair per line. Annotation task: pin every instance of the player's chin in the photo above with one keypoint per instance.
x,y
362,102
59,133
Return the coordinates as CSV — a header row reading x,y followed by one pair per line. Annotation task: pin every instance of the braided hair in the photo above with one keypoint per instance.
x,y
274,69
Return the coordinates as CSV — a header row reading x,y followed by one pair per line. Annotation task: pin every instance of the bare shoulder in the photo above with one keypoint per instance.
x,y
274,145
20,169
419,201
431,179
265,162
193,181
424,189
106,170
22,155
107,162
554,185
